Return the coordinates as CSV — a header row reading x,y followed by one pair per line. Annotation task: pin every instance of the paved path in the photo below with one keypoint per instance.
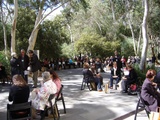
x,y
85,104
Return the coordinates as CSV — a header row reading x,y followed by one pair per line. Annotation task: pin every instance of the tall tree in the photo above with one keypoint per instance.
x,y
145,36
13,30
42,6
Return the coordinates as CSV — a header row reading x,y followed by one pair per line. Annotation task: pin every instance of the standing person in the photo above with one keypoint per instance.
x,y
14,64
24,63
35,65
98,65
117,59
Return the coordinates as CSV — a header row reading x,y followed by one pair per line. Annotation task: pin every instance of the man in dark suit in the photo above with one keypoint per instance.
x,y
23,63
35,66
117,59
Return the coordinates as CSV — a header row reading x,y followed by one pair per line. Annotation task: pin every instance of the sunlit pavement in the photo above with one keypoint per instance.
x,y
85,104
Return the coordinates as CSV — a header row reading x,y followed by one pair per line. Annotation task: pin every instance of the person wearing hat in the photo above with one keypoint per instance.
x,y
14,64
35,66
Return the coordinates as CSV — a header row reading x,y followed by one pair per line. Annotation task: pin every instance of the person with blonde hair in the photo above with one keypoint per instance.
x,y
19,91
40,95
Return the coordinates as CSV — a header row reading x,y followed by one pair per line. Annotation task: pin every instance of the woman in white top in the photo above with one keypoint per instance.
x,y
40,95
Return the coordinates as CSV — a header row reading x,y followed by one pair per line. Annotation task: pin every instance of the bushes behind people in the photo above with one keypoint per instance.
x,y
142,74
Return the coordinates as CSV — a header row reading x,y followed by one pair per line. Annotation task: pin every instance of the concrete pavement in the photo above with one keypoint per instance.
x,y
85,104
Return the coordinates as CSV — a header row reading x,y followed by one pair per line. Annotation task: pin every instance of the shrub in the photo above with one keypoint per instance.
x,y
142,74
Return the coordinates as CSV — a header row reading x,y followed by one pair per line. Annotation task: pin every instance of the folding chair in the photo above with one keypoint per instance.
x,y
60,97
84,83
22,111
53,108
141,104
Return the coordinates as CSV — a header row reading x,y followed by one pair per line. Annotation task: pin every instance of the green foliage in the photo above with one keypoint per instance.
x,y
5,60
127,48
142,74
50,37
25,24
96,45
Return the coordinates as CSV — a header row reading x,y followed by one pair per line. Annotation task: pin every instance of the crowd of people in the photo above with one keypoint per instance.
x,y
121,69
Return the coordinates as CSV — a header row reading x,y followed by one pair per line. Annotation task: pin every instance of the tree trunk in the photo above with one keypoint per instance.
x,y
39,19
133,37
4,32
139,41
145,37
33,37
113,12
13,29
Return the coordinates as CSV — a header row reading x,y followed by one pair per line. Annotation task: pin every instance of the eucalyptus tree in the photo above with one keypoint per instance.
x,y
5,16
145,36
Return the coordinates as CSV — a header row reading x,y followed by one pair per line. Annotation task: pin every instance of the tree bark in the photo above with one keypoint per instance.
x,y
33,36
13,29
39,19
4,32
113,12
145,37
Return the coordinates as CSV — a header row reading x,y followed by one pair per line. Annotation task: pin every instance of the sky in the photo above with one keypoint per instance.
x,y
54,13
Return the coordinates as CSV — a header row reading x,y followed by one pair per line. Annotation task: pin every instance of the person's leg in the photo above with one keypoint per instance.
x,y
35,78
111,82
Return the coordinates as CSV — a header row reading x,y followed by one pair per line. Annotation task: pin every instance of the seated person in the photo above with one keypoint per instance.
x,y
19,92
149,93
130,79
90,77
55,78
3,74
115,74
40,95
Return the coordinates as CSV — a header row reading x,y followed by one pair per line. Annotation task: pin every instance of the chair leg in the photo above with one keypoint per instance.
x,y
83,85
56,112
64,107
89,87
42,114
135,117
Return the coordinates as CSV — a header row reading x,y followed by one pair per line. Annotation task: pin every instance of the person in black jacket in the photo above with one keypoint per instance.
x,y
35,66
24,63
14,64
89,77
117,59
19,93
131,78
115,75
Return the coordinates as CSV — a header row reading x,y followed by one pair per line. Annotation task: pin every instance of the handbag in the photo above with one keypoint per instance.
x,y
155,115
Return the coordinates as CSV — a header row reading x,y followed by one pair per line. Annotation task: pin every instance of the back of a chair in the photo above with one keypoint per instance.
x,y
50,99
20,108
60,94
